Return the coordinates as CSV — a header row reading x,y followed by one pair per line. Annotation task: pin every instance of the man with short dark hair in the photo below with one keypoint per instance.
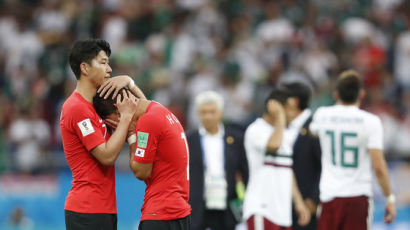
x,y
306,149
159,156
351,140
272,185
89,148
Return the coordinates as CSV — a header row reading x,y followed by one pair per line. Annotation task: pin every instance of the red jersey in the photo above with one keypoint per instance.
x,y
82,130
161,140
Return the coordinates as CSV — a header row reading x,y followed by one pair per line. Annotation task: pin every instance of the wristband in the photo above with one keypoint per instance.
x,y
132,139
131,84
391,198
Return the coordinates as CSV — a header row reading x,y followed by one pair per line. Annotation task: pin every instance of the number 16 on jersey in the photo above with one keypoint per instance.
x,y
348,153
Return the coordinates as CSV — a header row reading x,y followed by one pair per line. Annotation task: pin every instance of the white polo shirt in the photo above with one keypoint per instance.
x,y
269,190
346,133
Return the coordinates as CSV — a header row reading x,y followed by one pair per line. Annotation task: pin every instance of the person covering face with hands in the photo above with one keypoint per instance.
x,y
159,156
272,185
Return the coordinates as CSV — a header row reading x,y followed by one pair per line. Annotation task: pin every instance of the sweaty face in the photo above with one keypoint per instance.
x,y
210,115
99,69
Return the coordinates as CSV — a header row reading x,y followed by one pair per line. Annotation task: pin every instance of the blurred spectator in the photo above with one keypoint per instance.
x,y
204,79
30,136
237,91
402,59
318,62
274,29
19,221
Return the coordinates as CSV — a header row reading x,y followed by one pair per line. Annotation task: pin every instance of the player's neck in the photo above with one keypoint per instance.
x,y
212,130
294,116
356,104
86,89
142,107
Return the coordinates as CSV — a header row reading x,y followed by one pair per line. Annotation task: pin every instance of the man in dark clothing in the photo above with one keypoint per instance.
x,y
218,167
306,150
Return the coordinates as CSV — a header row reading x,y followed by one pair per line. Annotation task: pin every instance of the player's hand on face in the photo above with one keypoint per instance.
x,y
111,123
113,84
390,213
303,214
275,109
126,106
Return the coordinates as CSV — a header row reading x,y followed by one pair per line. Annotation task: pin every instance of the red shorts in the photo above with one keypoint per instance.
x,y
349,213
261,223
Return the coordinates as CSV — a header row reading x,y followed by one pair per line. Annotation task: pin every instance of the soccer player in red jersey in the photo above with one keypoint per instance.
x,y
159,156
89,148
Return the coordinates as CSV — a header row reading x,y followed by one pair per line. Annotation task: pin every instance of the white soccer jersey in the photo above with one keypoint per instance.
x,y
346,133
269,191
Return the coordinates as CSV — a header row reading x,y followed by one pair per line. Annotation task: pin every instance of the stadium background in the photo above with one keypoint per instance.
x,y
175,49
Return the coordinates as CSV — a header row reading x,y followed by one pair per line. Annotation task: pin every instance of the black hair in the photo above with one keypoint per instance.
x,y
348,86
85,51
299,90
105,107
277,94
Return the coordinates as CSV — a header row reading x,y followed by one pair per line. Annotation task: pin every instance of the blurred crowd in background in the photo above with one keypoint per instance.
x,y
174,49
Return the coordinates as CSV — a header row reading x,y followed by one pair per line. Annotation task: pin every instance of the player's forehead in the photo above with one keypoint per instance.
x,y
101,56
208,106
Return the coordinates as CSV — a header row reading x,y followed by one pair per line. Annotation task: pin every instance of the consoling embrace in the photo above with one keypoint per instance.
x,y
158,151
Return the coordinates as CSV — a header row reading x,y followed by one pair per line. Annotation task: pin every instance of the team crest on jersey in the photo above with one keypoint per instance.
x,y
139,152
142,139
86,127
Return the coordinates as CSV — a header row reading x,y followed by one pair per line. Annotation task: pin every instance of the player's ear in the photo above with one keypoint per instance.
x,y
362,94
84,67
335,96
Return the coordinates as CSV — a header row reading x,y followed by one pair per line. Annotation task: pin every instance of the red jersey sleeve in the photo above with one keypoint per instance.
x,y
85,124
148,135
